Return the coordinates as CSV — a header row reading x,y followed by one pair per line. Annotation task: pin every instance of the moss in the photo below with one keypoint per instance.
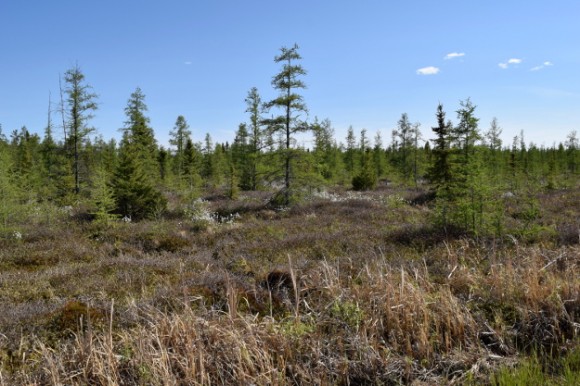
x,y
75,316
172,243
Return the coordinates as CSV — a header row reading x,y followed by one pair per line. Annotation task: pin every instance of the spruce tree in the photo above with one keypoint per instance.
x,y
207,166
178,138
219,165
56,177
405,141
103,197
232,179
191,167
137,174
324,153
9,192
440,174
162,160
254,107
367,177
350,153
24,145
572,153
471,194
379,159
494,142
240,157
141,136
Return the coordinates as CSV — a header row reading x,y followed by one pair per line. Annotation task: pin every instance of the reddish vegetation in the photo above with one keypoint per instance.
x,y
353,291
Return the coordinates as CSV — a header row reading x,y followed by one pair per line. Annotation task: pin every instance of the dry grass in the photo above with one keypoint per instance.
x,y
330,292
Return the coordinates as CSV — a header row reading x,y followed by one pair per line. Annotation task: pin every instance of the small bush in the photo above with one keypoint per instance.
x,y
364,181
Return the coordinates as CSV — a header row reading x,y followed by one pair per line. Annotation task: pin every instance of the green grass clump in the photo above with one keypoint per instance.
x,y
564,371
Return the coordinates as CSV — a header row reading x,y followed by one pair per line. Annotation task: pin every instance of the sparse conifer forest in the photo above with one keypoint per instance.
x,y
441,256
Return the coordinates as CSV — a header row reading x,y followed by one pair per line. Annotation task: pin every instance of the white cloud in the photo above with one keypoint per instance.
x,y
542,66
454,55
428,71
187,63
505,65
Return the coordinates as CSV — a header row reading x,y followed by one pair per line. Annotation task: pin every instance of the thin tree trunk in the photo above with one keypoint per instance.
x,y
287,179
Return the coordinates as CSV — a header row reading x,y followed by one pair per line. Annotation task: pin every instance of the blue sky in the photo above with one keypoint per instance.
x,y
367,61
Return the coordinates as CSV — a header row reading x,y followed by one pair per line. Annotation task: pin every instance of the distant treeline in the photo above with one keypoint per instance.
x,y
466,166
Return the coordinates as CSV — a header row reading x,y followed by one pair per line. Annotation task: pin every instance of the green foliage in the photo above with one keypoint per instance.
x,y
81,103
348,313
440,172
297,329
379,156
241,159
139,137
367,178
135,194
251,143
232,181
9,193
103,198
213,163
180,135
135,178
288,123
25,148
326,155
531,371
350,155
191,166
163,160
423,297
405,145
465,197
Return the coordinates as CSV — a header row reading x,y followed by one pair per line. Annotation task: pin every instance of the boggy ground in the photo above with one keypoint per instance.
x,y
345,288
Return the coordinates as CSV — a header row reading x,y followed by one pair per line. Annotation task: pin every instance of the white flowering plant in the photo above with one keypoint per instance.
x,y
201,216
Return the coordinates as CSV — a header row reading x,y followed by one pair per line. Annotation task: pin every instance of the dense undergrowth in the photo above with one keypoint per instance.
x,y
344,288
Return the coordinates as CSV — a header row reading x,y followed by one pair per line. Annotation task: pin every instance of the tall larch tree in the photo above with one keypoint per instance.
x,y
291,121
81,103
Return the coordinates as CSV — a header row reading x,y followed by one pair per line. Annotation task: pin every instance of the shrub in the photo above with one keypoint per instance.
x,y
364,181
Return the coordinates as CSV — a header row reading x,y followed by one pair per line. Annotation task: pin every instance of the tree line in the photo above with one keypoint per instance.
x,y
466,167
